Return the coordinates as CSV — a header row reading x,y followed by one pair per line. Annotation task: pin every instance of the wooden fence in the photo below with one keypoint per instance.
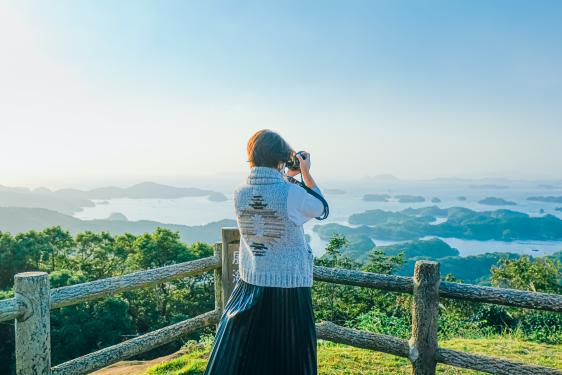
x,y
33,300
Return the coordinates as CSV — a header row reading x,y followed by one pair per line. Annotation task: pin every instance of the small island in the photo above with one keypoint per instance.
x,y
435,200
334,191
549,199
463,223
404,198
69,201
493,201
376,197
461,198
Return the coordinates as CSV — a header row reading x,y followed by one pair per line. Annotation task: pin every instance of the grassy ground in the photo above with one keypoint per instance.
x,y
340,359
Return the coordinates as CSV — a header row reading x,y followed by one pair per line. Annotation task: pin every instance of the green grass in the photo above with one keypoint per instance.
x,y
337,359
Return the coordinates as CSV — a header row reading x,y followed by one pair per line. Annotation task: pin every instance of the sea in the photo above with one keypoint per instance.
x,y
199,210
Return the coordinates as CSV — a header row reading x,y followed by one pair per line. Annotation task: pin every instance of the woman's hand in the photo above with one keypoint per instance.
x,y
304,169
304,165
304,162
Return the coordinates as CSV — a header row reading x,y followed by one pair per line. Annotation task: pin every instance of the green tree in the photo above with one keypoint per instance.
x,y
527,273
56,247
97,256
342,304
161,248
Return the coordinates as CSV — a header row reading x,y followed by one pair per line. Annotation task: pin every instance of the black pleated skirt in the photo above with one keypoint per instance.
x,y
265,331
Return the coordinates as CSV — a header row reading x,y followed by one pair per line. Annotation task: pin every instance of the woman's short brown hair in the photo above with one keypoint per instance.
x,y
266,148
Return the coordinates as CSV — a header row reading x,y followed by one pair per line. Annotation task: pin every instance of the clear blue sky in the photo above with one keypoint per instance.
x,y
115,90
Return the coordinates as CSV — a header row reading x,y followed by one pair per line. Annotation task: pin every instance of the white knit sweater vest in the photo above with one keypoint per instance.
x,y
273,249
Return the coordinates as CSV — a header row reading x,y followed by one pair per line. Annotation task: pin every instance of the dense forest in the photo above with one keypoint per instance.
x,y
80,329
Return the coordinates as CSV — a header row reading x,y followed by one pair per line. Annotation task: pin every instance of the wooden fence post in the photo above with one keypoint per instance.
x,y
230,246
423,344
33,329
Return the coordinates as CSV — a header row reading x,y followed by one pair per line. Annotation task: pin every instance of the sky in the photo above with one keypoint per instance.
x,y
117,92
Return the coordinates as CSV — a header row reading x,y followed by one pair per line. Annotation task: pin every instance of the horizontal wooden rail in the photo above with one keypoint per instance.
x,y
490,364
400,347
70,295
389,283
362,339
82,292
11,308
141,344
476,293
502,296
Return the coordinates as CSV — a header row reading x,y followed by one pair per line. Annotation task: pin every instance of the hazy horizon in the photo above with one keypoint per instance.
x,y
217,180
115,93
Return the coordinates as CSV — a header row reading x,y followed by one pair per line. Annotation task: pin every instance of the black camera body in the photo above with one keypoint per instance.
x,y
294,163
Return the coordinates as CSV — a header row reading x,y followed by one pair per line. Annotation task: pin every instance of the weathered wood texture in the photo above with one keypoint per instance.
x,y
389,283
33,329
491,365
476,293
70,295
361,339
423,343
105,357
502,296
230,245
11,308
388,344
218,279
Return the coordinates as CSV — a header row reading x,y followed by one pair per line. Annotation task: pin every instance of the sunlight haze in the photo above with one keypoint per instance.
x,y
104,92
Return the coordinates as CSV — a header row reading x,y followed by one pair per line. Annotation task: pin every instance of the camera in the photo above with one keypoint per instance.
x,y
293,163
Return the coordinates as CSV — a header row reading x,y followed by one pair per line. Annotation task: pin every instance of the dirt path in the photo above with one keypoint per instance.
x,y
136,367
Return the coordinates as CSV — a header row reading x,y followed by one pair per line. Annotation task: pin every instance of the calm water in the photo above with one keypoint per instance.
x,y
198,211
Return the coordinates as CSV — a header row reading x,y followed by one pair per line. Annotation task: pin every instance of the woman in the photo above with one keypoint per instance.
x,y
267,327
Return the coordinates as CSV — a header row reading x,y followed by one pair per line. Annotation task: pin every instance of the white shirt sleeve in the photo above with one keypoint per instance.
x,y
302,206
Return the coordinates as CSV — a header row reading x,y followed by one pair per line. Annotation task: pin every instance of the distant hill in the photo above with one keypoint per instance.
x,y
433,248
146,190
70,201
67,204
117,216
472,269
20,219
